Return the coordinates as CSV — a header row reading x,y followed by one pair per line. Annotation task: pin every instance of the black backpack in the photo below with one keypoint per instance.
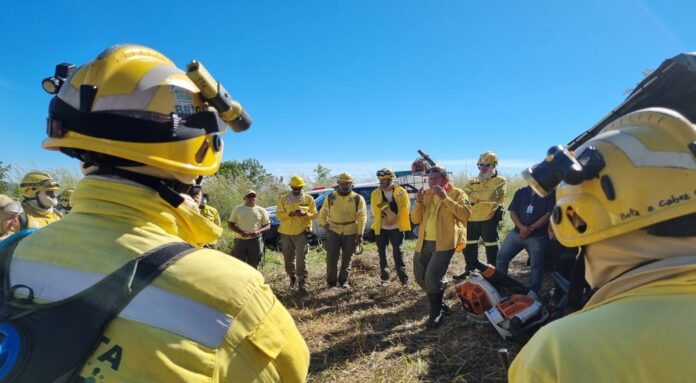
x,y
51,342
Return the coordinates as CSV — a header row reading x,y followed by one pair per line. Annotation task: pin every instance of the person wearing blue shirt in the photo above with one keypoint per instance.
x,y
530,214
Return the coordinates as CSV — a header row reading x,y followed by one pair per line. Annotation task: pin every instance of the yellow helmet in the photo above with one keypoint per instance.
x,y
132,103
345,178
644,173
64,197
35,182
297,182
488,158
385,173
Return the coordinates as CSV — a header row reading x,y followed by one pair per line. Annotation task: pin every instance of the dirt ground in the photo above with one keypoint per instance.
x,y
374,333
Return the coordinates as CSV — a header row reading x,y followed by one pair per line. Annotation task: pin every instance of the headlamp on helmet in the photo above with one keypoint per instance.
x,y
52,84
637,173
561,165
132,106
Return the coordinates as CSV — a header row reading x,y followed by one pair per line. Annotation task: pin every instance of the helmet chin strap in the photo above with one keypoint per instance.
x,y
168,190
99,164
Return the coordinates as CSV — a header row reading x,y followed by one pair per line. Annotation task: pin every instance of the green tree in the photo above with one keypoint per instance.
x,y
5,186
249,169
322,175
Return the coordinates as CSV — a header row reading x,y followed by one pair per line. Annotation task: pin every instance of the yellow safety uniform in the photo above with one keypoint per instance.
x,y
344,215
403,201
452,214
207,318
485,196
295,225
211,214
656,325
37,219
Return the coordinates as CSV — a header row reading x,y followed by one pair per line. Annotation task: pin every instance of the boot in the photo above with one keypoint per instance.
x,y
446,310
461,277
436,317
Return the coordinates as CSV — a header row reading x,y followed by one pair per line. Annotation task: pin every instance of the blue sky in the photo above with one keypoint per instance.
x,y
358,85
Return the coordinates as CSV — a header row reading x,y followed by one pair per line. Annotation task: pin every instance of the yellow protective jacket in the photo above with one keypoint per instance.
x,y
645,334
403,201
207,318
211,214
345,214
485,196
37,219
452,215
295,225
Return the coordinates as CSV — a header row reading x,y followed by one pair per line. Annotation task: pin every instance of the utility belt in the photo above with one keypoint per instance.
x,y
342,223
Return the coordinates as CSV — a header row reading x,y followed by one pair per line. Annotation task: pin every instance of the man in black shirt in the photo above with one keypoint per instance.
x,y
530,214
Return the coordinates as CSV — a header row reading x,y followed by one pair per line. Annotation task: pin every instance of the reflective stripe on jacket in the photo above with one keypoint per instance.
x,y
296,224
485,196
452,215
207,318
403,201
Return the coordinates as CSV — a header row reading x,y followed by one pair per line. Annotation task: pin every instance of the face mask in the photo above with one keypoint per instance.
x,y
344,189
47,200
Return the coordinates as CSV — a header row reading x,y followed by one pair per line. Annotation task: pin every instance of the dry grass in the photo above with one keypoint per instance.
x,y
376,334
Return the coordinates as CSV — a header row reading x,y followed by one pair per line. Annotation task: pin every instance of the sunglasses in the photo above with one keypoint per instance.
x,y
296,189
484,165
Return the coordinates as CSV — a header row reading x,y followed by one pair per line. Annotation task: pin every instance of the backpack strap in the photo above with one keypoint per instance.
x,y
63,334
6,249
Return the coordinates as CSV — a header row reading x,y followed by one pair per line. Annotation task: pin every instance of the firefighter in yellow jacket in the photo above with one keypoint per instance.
x,y
143,134
344,216
40,192
64,204
296,210
442,213
627,195
486,193
391,208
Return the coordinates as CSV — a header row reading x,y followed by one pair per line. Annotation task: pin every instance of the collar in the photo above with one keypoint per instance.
x,y
142,207
32,206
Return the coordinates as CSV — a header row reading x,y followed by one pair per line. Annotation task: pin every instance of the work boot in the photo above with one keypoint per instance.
x,y
436,317
460,277
446,310
303,290
293,281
